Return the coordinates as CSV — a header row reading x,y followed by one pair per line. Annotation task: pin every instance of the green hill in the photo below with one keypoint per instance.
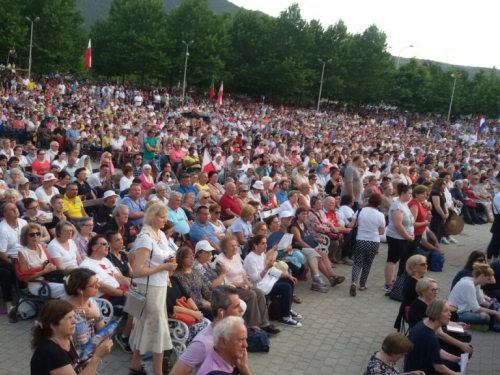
x,y
472,70
98,9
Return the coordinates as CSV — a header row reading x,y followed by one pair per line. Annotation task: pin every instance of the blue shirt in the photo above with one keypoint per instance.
x,y
190,188
281,197
179,219
198,231
133,206
73,134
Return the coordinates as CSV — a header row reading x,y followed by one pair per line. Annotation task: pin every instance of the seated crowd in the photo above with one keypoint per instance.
x,y
214,219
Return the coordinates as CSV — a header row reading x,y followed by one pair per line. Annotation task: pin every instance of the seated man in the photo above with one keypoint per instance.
x,y
229,352
185,186
202,230
84,190
224,302
73,205
191,161
229,203
105,212
136,204
119,222
100,181
161,194
176,214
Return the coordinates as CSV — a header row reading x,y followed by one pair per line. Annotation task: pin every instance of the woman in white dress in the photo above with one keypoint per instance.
x,y
62,249
152,267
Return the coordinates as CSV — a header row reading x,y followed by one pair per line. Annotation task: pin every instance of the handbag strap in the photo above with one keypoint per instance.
x,y
357,217
147,282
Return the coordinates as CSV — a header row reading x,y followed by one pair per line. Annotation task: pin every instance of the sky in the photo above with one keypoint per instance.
x,y
453,32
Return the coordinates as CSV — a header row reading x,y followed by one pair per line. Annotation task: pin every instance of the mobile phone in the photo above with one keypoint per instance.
x,y
168,259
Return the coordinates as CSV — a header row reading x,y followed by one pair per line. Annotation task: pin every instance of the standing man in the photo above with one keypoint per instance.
x,y
352,181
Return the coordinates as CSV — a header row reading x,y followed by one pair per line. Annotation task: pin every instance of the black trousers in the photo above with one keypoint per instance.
x,y
7,279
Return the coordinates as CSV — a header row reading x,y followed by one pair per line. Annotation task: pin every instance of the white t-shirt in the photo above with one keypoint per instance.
x,y
467,296
43,197
105,271
161,252
68,258
125,183
369,221
347,211
116,143
9,238
31,195
95,180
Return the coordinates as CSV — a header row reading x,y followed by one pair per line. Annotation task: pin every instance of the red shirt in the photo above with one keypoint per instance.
x,y
232,203
40,168
421,216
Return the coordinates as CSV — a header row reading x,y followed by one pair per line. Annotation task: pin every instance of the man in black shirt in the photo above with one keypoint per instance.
x,y
105,212
119,223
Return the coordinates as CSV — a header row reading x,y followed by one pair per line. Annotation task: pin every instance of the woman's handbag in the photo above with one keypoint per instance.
x,y
135,302
350,240
186,318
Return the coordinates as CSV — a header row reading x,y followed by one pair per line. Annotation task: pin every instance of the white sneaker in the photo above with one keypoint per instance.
x,y
445,241
290,322
294,315
453,240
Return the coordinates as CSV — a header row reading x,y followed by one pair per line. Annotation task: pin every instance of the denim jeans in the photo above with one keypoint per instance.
x,y
474,318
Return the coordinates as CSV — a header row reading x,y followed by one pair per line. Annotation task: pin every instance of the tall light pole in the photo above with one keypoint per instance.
x,y
321,84
452,94
185,67
399,55
31,44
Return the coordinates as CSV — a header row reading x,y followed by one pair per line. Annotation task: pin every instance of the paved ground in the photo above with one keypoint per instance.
x,y
339,332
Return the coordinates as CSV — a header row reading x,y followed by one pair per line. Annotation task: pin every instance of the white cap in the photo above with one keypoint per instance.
x,y
109,193
49,177
326,162
203,245
285,214
258,185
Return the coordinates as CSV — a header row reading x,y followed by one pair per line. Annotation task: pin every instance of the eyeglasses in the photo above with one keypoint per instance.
x,y
423,264
88,225
217,212
33,208
37,234
435,290
94,285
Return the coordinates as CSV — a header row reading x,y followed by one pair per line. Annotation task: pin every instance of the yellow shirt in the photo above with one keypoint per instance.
x,y
73,206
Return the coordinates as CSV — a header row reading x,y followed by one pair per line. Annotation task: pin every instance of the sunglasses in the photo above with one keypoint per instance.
x,y
217,212
104,243
37,234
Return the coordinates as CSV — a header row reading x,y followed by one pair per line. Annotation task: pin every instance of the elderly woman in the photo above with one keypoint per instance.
x,y
33,215
305,195
394,347
11,196
14,176
256,313
147,180
304,239
85,228
45,192
427,354
242,197
35,263
242,227
319,223
203,199
301,177
82,287
211,277
470,300
51,337
400,232
192,282
151,268
187,206
371,224
62,249
460,200
257,269
291,204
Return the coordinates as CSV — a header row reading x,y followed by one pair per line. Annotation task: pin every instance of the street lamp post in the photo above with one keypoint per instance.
x,y
399,55
185,67
31,44
321,84
452,94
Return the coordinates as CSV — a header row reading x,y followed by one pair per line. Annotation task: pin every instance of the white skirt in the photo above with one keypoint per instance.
x,y
151,332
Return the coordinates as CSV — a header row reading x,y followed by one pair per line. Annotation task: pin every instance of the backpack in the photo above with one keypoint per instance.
x,y
274,309
258,341
26,309
436,261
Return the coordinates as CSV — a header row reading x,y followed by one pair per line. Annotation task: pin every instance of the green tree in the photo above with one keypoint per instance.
x,y
13,28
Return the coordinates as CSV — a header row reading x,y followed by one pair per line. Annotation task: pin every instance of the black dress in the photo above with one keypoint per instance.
x,y
49,356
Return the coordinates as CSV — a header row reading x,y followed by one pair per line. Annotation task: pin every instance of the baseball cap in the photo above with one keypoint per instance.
x,y
285,214
109,193
203,245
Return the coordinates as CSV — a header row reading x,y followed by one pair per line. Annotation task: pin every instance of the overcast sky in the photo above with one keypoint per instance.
x,y
454,32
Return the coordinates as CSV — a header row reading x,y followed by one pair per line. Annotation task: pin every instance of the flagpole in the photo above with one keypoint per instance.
x,y
185,67
452,94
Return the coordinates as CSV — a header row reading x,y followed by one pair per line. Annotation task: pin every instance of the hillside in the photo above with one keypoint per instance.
x,y
98,9
472,70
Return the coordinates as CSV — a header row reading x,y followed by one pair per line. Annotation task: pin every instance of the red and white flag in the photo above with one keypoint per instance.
x,y
88,57
221,92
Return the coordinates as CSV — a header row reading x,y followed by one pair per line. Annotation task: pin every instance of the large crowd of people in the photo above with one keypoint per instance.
x,y
213,212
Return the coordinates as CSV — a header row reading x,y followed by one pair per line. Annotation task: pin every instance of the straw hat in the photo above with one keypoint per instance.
x,y
455,225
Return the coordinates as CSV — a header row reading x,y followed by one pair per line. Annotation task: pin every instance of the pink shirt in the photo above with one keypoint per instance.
x,y
177,155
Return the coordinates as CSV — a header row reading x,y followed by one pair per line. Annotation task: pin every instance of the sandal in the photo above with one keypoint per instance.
x,y
296,299
142,371
361,288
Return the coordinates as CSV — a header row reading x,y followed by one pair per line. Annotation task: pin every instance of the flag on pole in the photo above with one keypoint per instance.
x,y
207,165
212,90
221,92
88,57
481,124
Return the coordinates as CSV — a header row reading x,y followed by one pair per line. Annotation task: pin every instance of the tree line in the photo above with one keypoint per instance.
x,y
280,58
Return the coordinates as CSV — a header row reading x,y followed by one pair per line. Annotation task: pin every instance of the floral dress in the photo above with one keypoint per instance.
x,y
194,286
377,366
